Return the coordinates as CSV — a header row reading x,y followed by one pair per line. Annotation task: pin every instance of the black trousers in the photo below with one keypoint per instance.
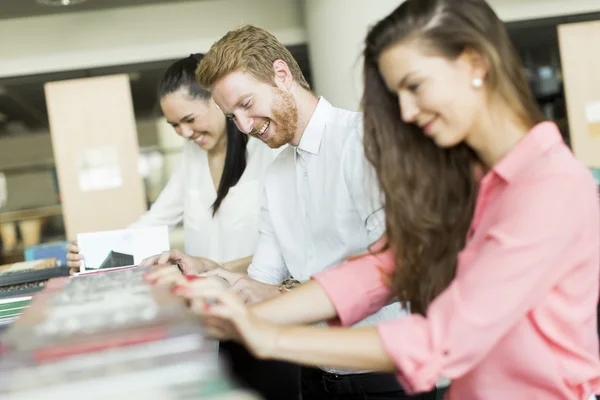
x,y
272,380
320,385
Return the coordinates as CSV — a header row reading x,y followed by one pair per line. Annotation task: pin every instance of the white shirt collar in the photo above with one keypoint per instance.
x,y
313,134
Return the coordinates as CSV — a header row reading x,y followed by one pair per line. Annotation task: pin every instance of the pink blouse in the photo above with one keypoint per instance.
x,y
519,319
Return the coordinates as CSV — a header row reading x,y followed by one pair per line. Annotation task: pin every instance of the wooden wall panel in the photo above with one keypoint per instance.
x,y
94,140
581,74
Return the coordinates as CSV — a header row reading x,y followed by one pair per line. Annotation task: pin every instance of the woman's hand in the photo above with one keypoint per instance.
x,y
250,290
226,317
190,265
165,274
73,258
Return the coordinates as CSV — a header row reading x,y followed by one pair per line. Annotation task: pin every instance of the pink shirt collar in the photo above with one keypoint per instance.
x,y
534,145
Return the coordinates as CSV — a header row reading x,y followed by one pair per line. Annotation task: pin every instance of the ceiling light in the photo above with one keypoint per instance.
x,y
60,2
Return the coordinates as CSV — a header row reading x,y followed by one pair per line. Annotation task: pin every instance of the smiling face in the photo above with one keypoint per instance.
x,y
196,119
435,93
258,109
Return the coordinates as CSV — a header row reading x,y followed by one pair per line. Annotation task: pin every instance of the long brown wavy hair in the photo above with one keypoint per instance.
x,y
430,191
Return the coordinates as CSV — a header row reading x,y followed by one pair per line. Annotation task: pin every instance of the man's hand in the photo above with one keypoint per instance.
x,y
254,291
190,265
250,290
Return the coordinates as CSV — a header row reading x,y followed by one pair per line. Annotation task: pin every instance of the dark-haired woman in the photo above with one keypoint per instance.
x,y
215,190
501,273
215,187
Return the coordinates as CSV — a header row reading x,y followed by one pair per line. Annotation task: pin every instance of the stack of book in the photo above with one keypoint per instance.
x,y
110,335
20,281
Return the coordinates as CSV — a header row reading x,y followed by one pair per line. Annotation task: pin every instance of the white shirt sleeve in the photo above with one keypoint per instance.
x,y
361,181
168,207
268,265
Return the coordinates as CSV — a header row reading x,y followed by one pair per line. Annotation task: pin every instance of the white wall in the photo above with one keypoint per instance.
x,y
129,35
136,34
335,43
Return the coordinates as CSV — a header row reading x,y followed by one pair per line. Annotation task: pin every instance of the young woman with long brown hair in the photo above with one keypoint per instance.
x,y
501,270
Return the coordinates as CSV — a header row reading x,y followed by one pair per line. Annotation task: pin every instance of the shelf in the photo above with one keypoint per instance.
x,y
33,213
20,168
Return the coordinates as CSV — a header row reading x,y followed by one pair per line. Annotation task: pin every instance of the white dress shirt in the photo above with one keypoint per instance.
x,y
233,232
320,205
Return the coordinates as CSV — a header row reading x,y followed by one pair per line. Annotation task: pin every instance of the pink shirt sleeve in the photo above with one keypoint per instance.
x,y
357,287
526,252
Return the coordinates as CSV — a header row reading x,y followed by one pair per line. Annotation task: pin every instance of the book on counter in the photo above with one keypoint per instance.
x,y
29,272
110,335
11,308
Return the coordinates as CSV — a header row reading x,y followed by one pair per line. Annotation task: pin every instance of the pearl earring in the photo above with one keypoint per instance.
x,y
477,83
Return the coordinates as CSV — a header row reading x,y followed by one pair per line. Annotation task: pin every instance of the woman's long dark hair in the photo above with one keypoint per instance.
x,y
430,191
182,74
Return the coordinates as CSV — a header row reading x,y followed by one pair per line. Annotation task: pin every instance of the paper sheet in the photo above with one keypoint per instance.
x,y
99,169
592,112
138,243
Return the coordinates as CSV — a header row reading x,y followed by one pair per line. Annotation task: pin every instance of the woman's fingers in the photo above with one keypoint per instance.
x,y
73,257
164,274
72,248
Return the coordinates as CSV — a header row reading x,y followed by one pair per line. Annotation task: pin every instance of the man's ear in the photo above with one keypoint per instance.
x,y
283,76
